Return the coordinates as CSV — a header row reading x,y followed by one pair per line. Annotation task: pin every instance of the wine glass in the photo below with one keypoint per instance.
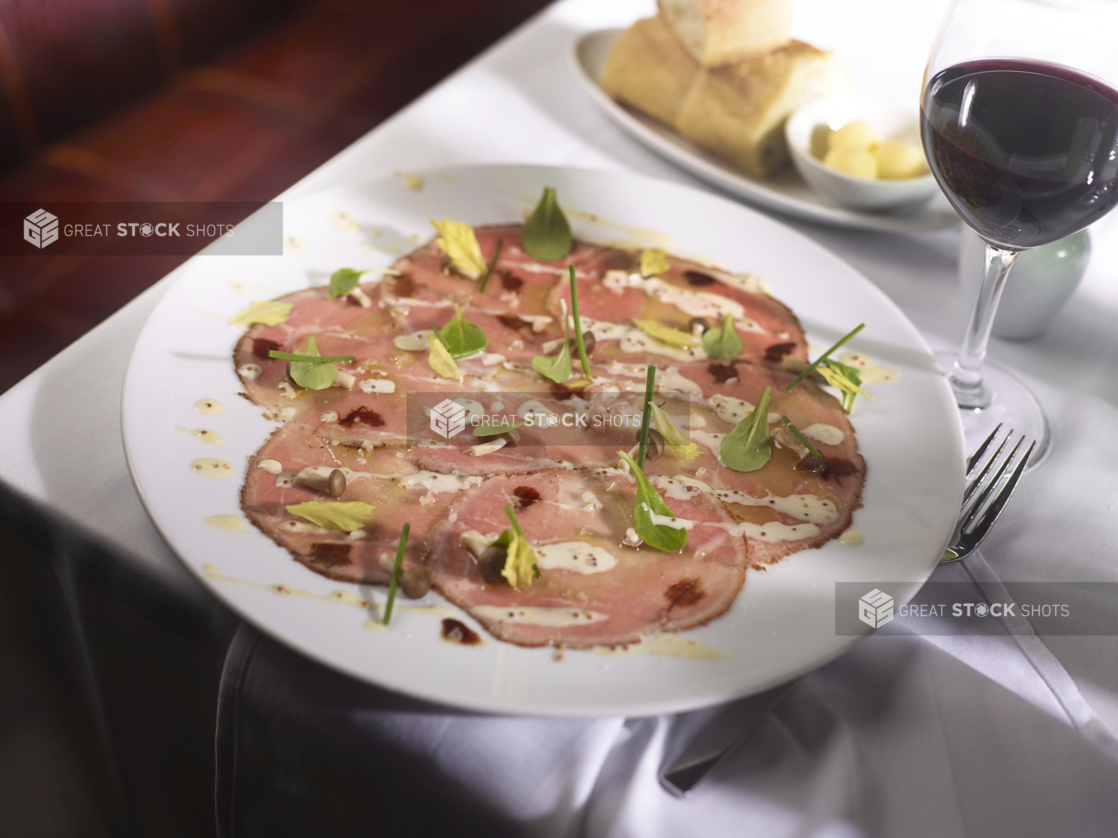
x,y
1020,128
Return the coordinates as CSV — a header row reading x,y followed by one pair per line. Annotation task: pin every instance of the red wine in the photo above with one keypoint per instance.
x,y
1027,153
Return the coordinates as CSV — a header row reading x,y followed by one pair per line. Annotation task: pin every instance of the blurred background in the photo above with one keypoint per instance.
x,y
164,100
192,100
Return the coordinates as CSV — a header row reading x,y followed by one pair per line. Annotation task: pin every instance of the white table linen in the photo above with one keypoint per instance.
x,y
903,735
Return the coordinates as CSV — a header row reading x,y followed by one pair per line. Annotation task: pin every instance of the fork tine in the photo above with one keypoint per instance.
x,y
989,485
974,459
979,481
986,522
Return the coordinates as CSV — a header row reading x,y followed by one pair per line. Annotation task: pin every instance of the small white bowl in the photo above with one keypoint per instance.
x,y
806,132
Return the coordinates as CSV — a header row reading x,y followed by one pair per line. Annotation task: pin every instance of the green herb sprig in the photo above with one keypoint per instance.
x,y
846,379
342,281
546,234
649,503
582,356
492,265
310,370
799,435
498,428
395,580
646,414
461,337
746,448
557,368
823,358
723,341
521,567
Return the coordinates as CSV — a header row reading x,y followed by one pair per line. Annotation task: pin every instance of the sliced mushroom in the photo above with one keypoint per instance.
x,y
656,444
698,322
415,582
332,482
360,297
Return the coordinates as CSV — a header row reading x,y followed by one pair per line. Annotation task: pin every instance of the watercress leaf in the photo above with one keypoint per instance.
x,y
459,242
844,378
268,312
342,281
395,580
654,262
314,374
498,428
555,368
651,518
666,334
678,441
520,559
440,359
558,367
461,337
343,516
723,341
546,235
746,448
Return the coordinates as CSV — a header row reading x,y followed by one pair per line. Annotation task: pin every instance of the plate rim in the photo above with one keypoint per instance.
x,y
504,705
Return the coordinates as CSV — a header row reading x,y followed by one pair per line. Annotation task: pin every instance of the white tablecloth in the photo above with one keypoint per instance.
x,y
904,735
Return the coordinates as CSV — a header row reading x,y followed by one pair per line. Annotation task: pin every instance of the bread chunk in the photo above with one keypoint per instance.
x,y
737,112
720,31
649,69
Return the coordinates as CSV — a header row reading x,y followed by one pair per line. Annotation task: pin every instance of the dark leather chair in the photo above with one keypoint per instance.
x,y
192,100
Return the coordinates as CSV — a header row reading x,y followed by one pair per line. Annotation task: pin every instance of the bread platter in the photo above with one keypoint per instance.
x,y
784,192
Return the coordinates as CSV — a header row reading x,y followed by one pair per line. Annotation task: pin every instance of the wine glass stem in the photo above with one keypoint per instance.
x,y
966,376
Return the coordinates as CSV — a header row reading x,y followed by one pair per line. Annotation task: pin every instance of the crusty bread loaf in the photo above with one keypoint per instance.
x,y
649,69
737,112
720,31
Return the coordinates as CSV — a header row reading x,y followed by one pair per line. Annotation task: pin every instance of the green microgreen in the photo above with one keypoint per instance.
x,y
557,368
723,341
461,337
492,266
582,356
309,369
672,435
646,414
649,507
799,435
546,234
746,448
823,358
498,428
846,379
342,281
395,580
520,559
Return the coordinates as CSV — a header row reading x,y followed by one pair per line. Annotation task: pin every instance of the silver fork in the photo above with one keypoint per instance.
x,y
984,475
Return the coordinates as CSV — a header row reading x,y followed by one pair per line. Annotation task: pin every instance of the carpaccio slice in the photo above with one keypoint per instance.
x,y
593,589
567,490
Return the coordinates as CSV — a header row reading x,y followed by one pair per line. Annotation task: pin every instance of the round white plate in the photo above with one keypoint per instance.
x,y
783,622
785,192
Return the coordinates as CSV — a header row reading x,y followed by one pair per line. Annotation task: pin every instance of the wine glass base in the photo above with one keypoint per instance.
x,y
1013,405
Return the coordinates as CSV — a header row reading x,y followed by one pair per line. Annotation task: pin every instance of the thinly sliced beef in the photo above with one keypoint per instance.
x,y
563,479
645,592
